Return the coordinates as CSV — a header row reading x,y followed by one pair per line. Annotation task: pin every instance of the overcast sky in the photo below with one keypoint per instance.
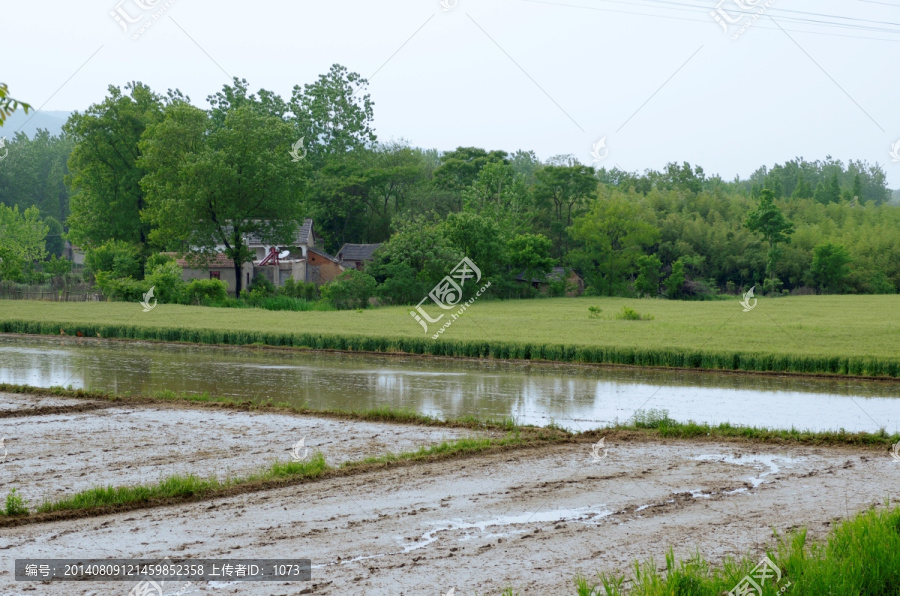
x,y
660,79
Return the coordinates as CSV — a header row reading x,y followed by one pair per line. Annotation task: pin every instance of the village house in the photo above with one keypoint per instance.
x,y
219,267
574,282
356,255
300,260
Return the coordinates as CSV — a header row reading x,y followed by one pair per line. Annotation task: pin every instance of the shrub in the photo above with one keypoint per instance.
x,y
121,288
166,279
300,289
594,312
15,504
116,258
205,291
629,314
351,289
262,286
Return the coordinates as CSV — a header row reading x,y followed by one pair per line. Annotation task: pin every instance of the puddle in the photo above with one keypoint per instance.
x,y
768,461
585,515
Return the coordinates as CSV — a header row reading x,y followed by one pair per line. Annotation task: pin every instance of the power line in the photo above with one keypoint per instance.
x,y
669,5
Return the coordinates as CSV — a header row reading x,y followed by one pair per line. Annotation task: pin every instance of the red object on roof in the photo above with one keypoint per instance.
x,y
271,258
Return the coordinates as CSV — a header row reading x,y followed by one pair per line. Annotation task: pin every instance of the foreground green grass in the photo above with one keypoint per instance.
x,y
861,557
844,335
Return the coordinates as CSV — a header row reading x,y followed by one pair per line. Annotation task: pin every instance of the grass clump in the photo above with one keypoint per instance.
x,y
15,504
629,314
181,486
861,556
653,418
594,312
447,448
112,496
658,422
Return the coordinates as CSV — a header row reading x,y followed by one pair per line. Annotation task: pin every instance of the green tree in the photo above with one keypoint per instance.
x,y
675,281
647,281
803,190
34,172
332,115
769,222
58,270
107,198
480,238
829,191
460,168
417,257
211,185
55,242
22,240
611,237
857,191
830,266
560,193
165,278
116,258
529,254
8,105
350,289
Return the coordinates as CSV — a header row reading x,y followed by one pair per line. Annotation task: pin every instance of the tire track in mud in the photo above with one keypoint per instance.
x,y
50,410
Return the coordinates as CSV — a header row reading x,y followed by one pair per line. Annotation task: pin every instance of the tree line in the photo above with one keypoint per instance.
x,y
142,172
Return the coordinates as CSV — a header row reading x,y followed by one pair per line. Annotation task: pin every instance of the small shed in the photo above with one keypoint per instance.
x,y
357,255
574,282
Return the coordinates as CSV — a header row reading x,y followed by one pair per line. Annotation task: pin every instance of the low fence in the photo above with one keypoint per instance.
x,y
50,295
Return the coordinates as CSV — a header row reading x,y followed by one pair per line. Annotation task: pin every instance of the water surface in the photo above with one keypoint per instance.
x,y
576,397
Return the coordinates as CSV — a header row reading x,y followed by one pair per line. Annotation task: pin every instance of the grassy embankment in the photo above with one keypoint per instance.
x,y
841,335
861,557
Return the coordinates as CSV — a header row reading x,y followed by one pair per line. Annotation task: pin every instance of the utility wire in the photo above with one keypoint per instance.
x,y
669,5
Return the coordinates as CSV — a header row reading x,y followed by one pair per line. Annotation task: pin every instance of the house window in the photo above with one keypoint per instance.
x,y
215,275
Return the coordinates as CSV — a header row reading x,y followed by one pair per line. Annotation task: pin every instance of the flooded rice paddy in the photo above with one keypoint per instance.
x,y
576,397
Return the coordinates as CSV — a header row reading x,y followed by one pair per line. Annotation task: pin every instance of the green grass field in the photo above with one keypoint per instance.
x,y
844,335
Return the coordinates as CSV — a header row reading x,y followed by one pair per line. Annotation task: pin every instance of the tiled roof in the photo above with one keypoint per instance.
x,y
219,261
301,239
357,252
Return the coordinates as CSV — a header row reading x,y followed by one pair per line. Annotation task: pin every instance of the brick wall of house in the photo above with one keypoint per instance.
x,y
322,270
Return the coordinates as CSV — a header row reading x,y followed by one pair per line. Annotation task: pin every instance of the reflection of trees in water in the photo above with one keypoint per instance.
x,y
450,388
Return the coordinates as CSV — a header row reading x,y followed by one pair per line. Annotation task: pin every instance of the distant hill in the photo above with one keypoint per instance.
x,y
31,122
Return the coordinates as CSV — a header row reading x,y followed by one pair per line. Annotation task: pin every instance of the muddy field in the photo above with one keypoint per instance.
x,y
530,519
50,455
